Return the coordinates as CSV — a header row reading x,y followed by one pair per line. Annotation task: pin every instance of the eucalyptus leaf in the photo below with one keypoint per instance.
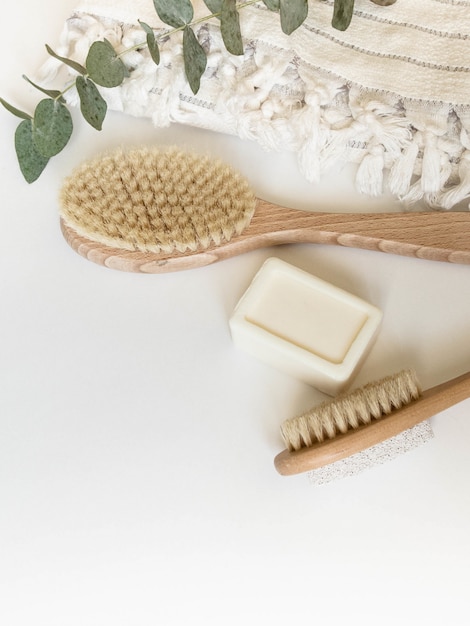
x,y
31,161
152,44
214,6
273,5
230,27
73,64
342,14
43,135
293,14
92,104
52,93
104,66
9,107
195,59
175,13
52,127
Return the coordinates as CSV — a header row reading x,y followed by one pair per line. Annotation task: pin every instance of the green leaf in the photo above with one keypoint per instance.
x,y
342,14
92,104
52,93
73,64
175,13
214,6
293,14
194,59
52,127
104,66
151,42
30,160
15,111
273,5
230,27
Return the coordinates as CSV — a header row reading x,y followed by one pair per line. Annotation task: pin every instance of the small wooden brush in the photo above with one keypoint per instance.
x,y
365,417
156,211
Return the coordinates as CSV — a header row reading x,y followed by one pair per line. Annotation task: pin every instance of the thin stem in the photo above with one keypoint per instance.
x,y
70,86
172,31
168,33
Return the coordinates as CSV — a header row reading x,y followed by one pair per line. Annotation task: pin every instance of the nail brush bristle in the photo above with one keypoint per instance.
x,y
350,410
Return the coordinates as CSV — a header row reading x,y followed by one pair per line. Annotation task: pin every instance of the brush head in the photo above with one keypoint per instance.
x,y
347,435
152,200
350,410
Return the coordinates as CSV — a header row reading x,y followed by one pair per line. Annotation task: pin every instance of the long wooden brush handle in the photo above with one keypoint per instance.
x,y
430,403
436,235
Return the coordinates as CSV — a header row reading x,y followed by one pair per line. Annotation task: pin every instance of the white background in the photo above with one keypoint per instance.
x,y
136,444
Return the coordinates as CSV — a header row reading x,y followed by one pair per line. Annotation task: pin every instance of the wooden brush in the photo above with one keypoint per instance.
x,y
153,211
365,417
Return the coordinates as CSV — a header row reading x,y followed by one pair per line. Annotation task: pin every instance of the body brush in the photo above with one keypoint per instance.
x,y
344,435
149,210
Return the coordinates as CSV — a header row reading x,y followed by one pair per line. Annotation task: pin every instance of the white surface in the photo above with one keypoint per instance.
x,y
136,444
304,326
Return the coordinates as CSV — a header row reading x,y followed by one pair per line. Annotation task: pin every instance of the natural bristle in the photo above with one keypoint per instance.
x,y
156,201
350,410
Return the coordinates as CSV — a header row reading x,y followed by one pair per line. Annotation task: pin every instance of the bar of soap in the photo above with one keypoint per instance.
x,y
304,326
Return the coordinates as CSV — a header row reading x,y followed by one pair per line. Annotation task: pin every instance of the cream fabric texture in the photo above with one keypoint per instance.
x,y
391,93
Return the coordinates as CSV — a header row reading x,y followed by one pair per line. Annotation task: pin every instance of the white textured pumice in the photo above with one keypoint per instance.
x,y
354,422
159,210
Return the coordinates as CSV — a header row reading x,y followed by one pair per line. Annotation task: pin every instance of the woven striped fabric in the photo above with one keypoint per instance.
x,y
390,94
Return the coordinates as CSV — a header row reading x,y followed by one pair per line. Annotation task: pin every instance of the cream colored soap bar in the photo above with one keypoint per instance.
x,y
304,326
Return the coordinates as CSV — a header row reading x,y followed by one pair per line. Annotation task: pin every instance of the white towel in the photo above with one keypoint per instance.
x,y
391,93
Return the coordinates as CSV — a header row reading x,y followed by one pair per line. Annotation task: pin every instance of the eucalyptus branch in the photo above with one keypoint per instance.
x,y
44,134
